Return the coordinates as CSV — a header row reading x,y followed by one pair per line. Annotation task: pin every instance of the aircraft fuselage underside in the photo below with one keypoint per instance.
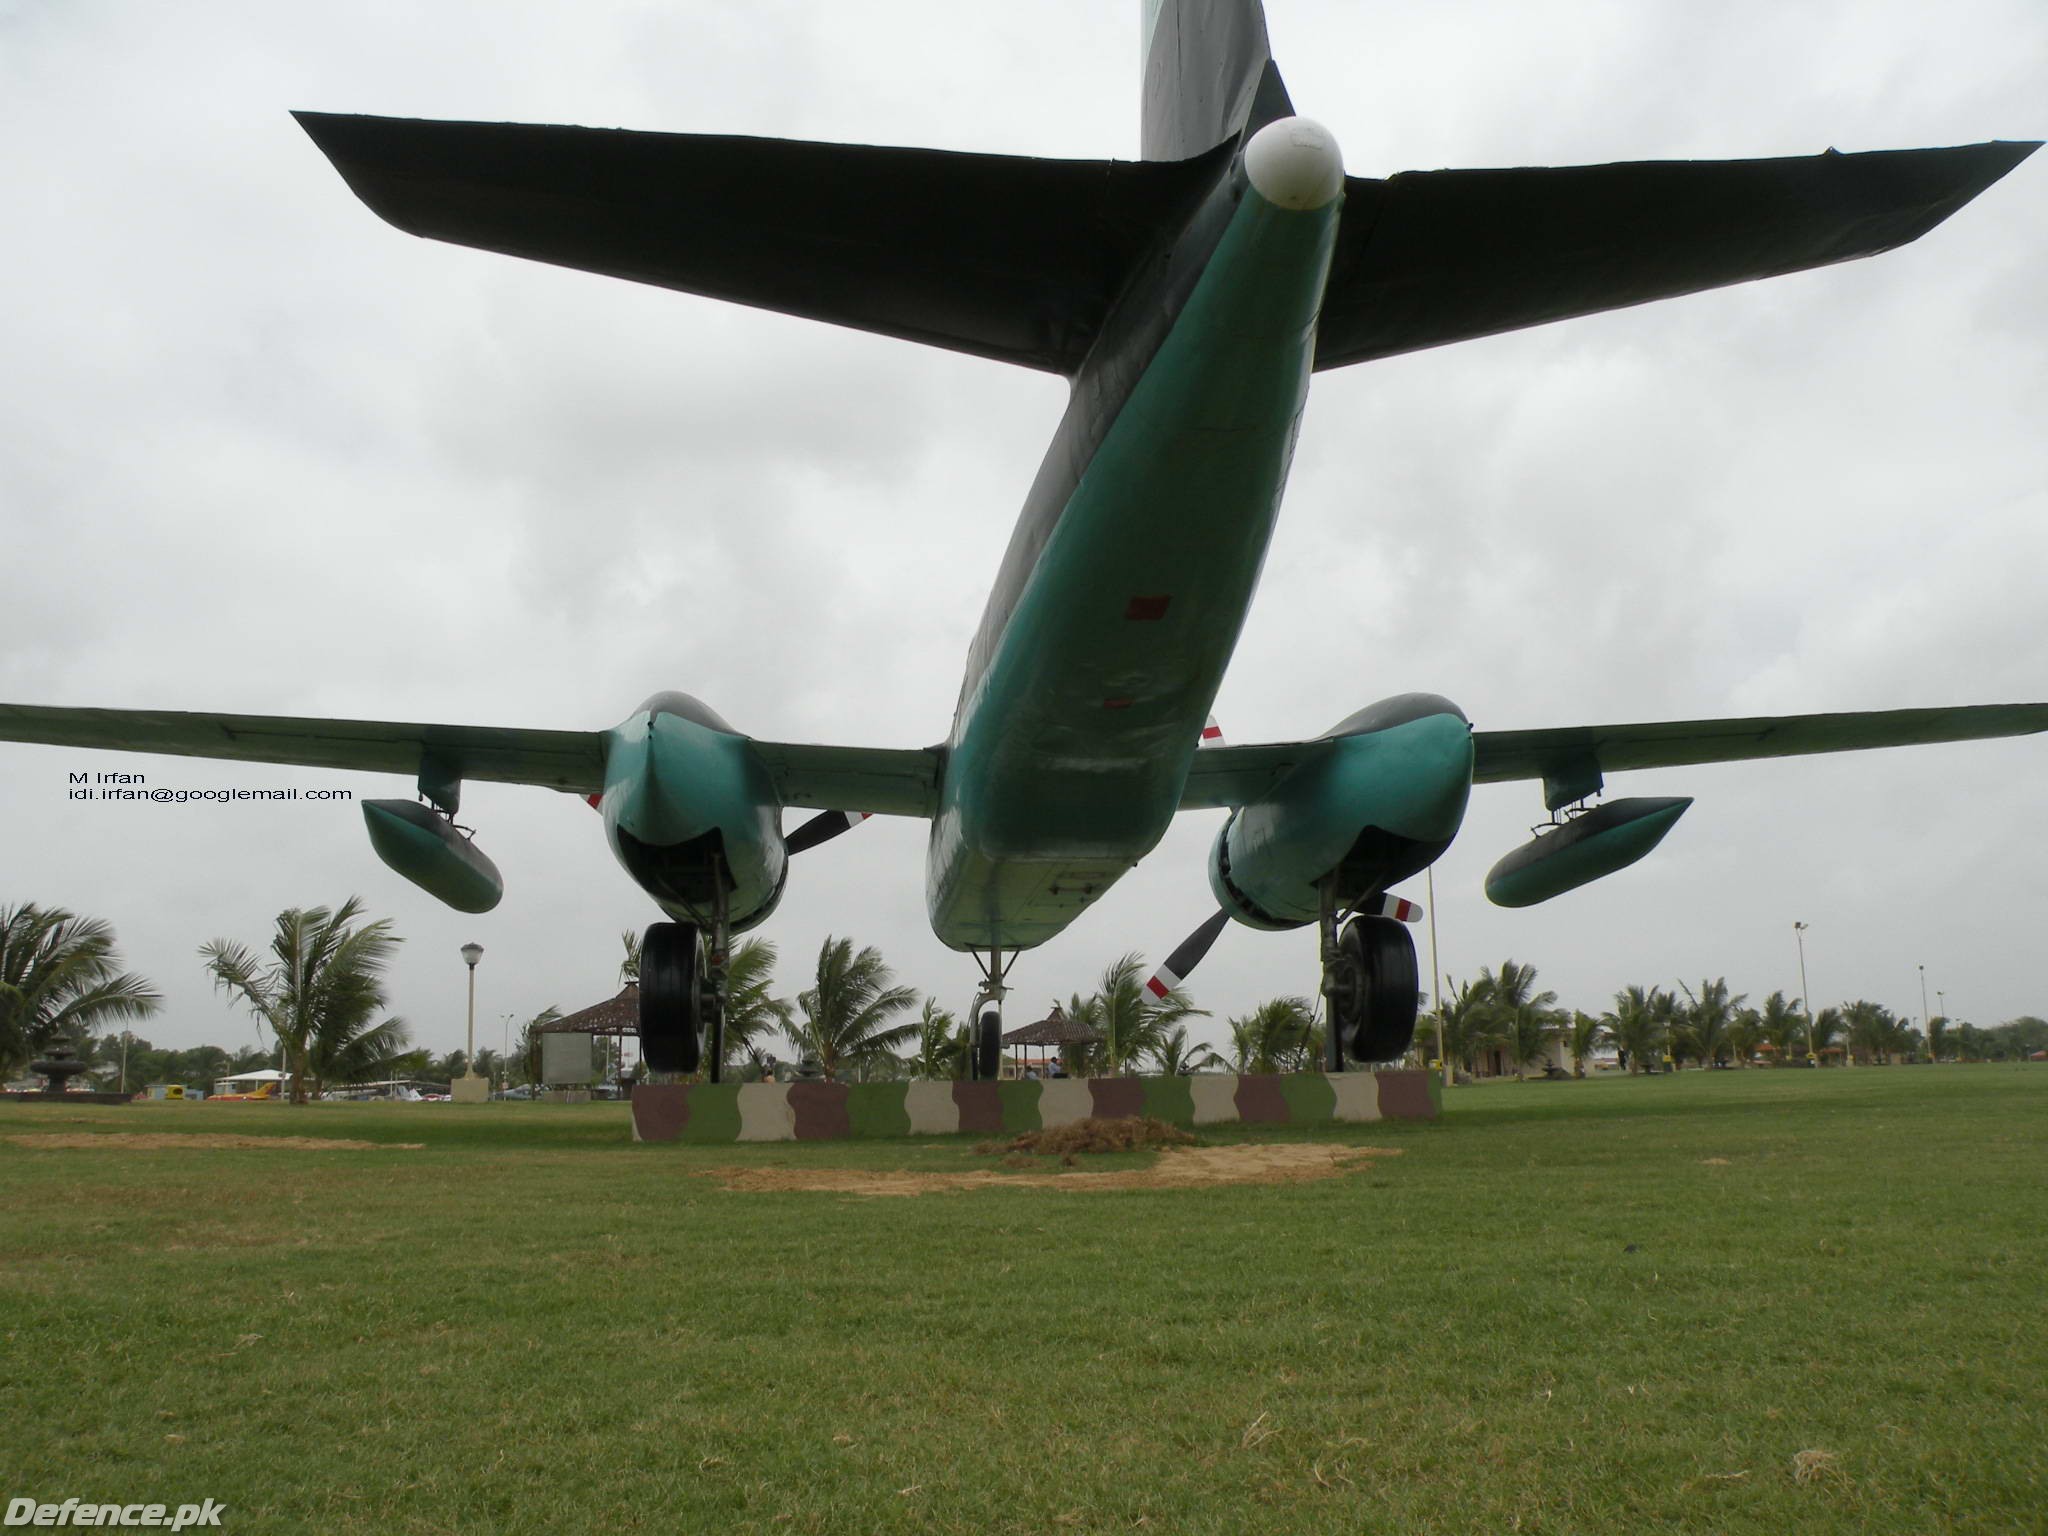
x,y
1122,596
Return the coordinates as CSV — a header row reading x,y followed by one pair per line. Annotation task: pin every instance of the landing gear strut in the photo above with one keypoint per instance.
x,y
985,1029
1369,984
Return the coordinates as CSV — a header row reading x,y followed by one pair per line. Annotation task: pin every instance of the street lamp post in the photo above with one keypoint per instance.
x,y
1805,996
473,1088
1923,999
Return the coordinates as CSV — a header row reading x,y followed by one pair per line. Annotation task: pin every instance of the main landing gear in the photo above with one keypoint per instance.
x,y
985,1029
1369,983
683,993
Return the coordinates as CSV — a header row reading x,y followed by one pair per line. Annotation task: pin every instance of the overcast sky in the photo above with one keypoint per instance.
x,y
260,452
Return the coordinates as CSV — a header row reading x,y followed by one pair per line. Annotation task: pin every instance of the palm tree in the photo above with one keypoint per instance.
x,y
1872,1029
1468,1022
1583,1039
1178,1056
319,993
629,966
941,1043
1531,1030
1827,1026
845,1016
1784,1025
1937,1037
58,979
1133,1022
1745,1034
1083,1058
1709,1013
750,1012
1637,1025
1273,1037
1524,1020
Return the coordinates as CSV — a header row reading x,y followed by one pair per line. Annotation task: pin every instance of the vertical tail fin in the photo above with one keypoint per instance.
x,y
1209,74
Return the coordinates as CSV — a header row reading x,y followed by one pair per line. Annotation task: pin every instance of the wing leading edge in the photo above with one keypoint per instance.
x,y
1230,776
886,780
566,760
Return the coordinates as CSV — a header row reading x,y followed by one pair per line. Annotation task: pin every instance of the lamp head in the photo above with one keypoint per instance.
x,y
471,953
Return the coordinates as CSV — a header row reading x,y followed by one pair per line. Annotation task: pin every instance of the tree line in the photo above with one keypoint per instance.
x,y
1499,1011
318,988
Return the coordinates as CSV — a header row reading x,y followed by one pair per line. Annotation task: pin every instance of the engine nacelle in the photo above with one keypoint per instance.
x,y
1608,837
1381,802
689,807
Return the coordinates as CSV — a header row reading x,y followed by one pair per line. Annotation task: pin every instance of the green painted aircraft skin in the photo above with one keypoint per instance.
x,y
670,780
1067,763
429,857
1569,868
1411,780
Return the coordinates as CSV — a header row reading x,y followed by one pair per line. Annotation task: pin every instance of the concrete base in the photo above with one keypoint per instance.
x,y
715,1112
470,1090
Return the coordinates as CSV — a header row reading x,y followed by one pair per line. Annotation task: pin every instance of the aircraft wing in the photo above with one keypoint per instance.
x,y
568,760
884,780
1560,753
1429,257
1228,776
1002,256
879,779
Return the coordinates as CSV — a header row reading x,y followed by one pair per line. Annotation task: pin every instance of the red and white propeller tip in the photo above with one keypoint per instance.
x,y
1182,962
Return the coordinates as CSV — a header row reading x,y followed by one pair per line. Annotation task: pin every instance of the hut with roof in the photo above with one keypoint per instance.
x,y
1049,1034
565,1054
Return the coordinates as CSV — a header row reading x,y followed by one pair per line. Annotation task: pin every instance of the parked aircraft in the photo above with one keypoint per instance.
x,y
1188,298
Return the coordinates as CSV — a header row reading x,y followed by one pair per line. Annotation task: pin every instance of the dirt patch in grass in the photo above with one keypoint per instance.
x,y
178,1141
1177,1168
1092,1135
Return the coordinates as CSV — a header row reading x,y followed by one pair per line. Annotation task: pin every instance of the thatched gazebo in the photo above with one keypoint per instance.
x,y
614,1016
1051,1032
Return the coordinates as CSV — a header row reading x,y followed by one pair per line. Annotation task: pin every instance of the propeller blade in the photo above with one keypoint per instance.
x,y
1212,735
1184,959
1387,904
822,828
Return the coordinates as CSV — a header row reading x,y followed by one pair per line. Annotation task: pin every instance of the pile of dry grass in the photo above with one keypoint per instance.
x,y
1092,1135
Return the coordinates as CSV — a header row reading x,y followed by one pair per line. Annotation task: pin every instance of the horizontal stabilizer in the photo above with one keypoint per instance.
x,y
570,760
1429,257
1001,256
1563,753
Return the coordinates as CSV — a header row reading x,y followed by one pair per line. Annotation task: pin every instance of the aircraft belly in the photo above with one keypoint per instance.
x,y
1068,759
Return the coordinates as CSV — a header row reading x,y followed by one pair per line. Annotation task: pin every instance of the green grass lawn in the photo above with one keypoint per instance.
x,y
1605,1306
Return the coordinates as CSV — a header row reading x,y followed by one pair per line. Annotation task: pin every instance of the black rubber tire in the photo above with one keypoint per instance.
x,y
668,998
988,1046
1386,1024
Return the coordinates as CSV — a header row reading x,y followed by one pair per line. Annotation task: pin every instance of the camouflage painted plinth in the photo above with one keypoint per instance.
x,y
832,1111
